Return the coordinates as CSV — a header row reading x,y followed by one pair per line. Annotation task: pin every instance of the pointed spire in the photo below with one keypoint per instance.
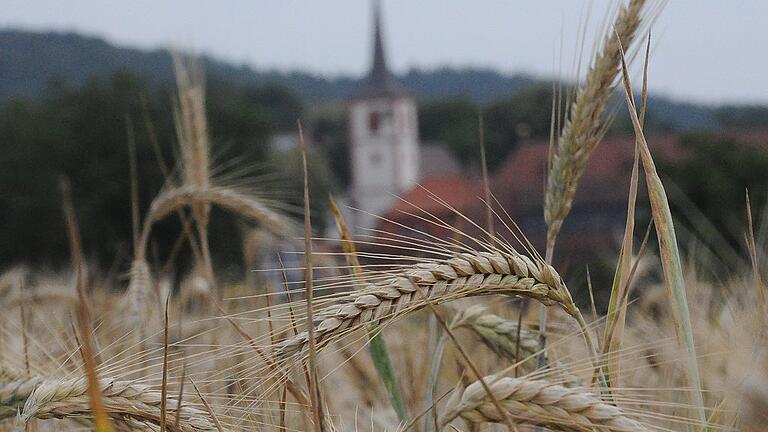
x,y
379,71
381,82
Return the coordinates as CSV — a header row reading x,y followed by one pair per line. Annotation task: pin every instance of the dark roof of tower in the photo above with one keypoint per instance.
x,y
380,81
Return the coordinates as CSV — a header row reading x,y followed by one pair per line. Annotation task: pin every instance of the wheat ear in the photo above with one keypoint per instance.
x,y
125,401
14,390
584,126
139,293
499,334
467,274
538,403
192,130
227,198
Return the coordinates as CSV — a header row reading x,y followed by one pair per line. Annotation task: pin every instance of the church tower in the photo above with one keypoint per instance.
x,y
383,136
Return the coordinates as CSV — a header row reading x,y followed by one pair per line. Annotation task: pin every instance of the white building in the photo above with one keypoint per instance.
x,y
384,139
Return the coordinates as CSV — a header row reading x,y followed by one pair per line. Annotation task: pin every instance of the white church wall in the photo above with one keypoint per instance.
x,y
385,153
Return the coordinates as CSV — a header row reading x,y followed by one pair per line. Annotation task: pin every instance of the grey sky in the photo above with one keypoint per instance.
x,y
705,50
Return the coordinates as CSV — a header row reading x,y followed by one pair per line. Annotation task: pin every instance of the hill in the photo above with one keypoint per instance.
x,y
30,61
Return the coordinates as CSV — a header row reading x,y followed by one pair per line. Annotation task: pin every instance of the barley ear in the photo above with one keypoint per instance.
x,y
499,334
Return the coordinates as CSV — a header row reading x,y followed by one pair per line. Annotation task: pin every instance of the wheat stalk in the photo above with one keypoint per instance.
x,y
467,274
584,126
538,403
125,401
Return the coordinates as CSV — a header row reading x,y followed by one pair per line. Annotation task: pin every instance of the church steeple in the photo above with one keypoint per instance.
x,y
381,82
379,71
383,126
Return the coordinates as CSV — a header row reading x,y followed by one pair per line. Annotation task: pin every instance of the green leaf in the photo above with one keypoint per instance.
x,y
670,255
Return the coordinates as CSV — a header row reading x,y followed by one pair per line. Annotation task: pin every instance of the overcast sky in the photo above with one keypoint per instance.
x,y
704,50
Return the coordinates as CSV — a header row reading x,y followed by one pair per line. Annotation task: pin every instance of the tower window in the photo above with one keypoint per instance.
x,y
374,122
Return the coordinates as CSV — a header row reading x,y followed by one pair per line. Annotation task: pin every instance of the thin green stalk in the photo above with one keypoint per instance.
x,y
670,255
380,356
377,345
437,357
616,316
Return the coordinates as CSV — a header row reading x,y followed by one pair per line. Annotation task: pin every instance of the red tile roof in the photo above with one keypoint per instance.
x,y
519,183
434,194
600,203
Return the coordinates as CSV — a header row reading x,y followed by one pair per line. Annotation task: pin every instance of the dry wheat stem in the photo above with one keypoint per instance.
x,y
45,398
584,126
539,403
467,274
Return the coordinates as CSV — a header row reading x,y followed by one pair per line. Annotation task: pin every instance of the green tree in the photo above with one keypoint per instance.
x,y
80,133
742,116
714,175
452,122
525,115
242,117
291,189
329,132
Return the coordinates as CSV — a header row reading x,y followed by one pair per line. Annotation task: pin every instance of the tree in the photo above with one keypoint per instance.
x,y
453,122
526,114
80,133
291,184
742,116
714,176
329,132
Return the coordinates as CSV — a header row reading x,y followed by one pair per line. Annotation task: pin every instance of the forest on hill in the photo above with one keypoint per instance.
x,y
69,105
30,61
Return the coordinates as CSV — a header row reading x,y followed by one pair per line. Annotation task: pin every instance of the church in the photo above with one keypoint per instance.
x,y
395,176
383,131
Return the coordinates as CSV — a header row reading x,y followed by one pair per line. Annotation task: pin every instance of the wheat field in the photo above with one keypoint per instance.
x,y
396,331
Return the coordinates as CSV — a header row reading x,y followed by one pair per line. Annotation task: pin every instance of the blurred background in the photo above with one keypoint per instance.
x,y
390,95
